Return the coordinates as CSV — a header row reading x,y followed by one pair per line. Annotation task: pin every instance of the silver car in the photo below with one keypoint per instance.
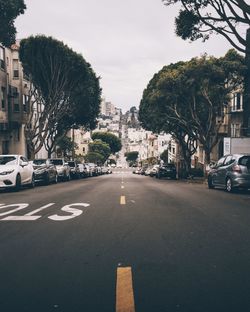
x,y
231,172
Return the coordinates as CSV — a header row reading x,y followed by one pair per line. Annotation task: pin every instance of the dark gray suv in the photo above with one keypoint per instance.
x,y
231,172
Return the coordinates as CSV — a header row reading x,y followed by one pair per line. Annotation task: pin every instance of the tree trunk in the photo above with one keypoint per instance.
x,y
246,102
207,160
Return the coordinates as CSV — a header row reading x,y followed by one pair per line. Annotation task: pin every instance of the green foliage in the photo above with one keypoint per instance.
x,y
64,83
100,147
200,18
164,156
184,99
131,156
9,11
66,145
112,140
94,157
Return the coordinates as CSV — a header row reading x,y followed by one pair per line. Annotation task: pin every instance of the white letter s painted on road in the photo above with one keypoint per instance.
x,y
68,208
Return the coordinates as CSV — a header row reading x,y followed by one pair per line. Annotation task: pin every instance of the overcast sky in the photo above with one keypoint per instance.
x,y
126,42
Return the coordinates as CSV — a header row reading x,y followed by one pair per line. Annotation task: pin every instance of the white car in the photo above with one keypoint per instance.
x,y
15,170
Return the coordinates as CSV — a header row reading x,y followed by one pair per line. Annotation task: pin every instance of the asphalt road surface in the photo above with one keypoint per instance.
x,y
124,243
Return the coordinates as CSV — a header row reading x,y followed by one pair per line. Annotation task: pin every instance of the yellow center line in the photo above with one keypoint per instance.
x,y
122,200
124,290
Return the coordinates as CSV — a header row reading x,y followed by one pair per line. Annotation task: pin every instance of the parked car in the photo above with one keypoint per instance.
x,y
74,170
109,170
44,171
153,170
166,171
62,167
92,169
147,171
143,170
83,171
15,171
104,170
230,172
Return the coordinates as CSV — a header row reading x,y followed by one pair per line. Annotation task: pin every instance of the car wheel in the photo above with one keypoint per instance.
x,y
229,185
56,179
18,183
210,183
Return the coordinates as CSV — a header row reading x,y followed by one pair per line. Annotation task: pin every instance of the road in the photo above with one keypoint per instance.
x,y
185,247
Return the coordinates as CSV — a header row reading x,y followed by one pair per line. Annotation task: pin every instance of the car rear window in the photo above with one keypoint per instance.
x,y
57,162
39,162
172,166
245,161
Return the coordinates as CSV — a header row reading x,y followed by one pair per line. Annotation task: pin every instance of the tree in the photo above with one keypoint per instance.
x,y
94,157
185,99
66,145
198,19
100,147
9,11
64,89
164,156
112,140
131,156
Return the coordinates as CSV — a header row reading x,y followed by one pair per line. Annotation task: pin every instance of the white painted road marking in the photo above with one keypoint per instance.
x,y
20,207
124,290
68,208
28,216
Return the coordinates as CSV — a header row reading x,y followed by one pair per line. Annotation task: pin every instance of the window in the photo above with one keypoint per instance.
x,y
229,160
16,106
15,68
237,101
235,130
25,103
245,161
220,162
3,98
2,63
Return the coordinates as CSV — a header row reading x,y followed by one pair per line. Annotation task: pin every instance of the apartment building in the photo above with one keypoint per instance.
x,y
14,104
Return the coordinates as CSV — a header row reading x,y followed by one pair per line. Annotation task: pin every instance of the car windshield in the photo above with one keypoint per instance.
x,y
39,162
71,163
57,162
8,160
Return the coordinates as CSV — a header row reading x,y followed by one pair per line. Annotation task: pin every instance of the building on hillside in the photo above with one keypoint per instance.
x,y
14,109
82,138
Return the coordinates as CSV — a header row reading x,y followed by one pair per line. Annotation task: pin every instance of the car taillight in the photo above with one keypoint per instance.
x,y
236,168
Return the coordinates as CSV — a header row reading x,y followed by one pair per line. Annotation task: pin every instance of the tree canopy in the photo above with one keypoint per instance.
x,y
198,19
9,11
94,157
112,140
100,147
63,84
132,156
187,99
